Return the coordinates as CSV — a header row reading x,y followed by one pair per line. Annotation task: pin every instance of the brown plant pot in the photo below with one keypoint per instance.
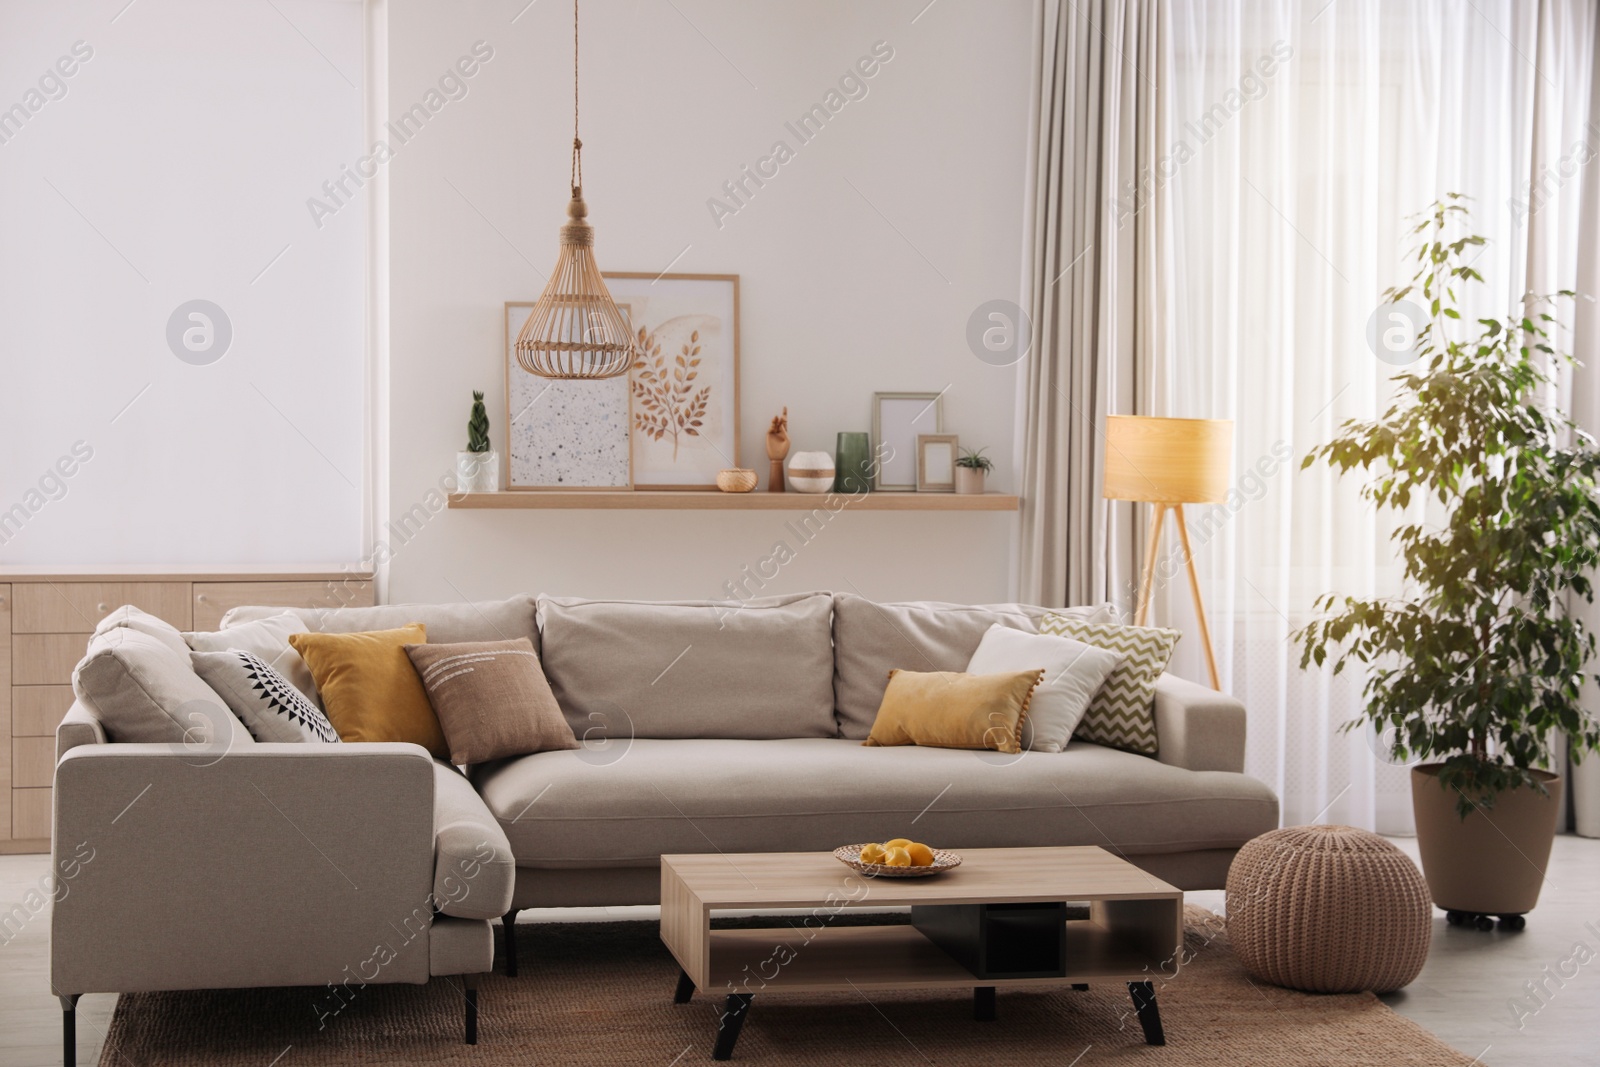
x,y
1493,861
969,480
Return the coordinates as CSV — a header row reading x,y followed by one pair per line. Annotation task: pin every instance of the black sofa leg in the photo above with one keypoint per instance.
x,y
510,925
471,983
69,1029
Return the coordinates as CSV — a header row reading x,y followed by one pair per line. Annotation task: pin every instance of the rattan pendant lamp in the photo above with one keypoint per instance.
x,y
576,330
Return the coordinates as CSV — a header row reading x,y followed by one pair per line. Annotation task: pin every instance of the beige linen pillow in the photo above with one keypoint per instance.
x,y
492,699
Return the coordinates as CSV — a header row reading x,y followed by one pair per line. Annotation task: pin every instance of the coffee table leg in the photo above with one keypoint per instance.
x,y
983,1003
730,1024
1144,1002
685,988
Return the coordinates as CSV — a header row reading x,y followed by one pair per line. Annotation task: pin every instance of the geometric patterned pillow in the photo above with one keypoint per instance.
x,y
270,708
1122,714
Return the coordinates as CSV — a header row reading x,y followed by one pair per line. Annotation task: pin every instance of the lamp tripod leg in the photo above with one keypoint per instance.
x,y
1199,605
1151,551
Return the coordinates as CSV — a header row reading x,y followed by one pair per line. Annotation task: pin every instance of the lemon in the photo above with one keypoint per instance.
x,y
899,842
898,857
872,854
921,855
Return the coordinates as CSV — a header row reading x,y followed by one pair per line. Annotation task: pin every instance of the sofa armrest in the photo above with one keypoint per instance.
x,y
1198,728
271,865
79,727
474,872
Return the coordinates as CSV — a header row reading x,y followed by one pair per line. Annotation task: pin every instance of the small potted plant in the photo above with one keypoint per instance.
x,y
478,468
970,470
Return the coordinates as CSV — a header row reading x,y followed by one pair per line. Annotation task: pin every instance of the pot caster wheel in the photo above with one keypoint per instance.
x,y
1484,922
1455,918
1513,923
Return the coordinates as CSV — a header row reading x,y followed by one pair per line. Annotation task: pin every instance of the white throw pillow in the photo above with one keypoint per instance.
x,y
268,639
1073,673
270,708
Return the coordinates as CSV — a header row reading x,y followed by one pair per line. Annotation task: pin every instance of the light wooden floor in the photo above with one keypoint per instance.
x,y
1465,994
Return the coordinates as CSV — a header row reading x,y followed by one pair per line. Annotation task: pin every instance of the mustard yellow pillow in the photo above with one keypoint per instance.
x,y
947,709
369,688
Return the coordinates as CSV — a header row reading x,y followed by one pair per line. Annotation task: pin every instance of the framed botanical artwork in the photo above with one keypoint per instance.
x,y
684,385
897,419
936,462
562,434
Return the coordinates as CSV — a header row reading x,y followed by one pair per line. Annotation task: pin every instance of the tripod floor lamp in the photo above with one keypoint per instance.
x,y
1169,463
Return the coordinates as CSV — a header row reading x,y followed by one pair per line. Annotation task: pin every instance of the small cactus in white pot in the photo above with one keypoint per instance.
x,y
971,469
478,468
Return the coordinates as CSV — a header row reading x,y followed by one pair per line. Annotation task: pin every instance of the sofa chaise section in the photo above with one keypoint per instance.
x,y
329,865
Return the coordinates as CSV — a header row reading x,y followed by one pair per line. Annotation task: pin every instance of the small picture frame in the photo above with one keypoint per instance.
x,y
897,419
936,462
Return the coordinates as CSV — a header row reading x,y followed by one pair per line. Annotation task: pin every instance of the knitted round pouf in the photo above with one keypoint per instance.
x,y
1328,909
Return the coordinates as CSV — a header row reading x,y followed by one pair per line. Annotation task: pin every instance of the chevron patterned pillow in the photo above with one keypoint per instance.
x,y
1122,714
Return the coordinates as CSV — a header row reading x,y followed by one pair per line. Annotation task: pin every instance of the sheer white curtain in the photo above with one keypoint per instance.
x,y
1304,135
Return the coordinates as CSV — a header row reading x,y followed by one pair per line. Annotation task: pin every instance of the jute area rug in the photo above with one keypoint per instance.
x,y
602,994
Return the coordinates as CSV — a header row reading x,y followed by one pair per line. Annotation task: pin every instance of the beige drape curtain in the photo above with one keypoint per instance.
x,y
1585,791
1099,253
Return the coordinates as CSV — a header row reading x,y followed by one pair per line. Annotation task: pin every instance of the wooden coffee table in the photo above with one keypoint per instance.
x,y
998,920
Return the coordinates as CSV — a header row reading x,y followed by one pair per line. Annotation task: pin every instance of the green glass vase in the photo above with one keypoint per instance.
x,y
852,464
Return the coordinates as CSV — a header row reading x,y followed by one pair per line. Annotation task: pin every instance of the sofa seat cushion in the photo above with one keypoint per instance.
x,y
754,669
627,805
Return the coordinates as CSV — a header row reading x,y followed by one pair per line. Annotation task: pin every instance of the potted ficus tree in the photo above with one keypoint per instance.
x,y
1476,668
478,468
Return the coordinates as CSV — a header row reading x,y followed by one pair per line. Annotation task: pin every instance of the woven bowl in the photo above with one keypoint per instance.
x,y
736,480
850,856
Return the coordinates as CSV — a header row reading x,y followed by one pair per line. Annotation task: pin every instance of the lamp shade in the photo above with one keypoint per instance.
x,y
1167,461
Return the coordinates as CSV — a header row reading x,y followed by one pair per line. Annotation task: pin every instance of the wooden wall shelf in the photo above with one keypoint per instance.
x,y
615,500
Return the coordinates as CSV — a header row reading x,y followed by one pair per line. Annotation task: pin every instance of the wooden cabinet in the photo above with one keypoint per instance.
x,y
46,620
213,600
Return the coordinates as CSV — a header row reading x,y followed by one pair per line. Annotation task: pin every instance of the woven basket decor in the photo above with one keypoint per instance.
x,y
1328,909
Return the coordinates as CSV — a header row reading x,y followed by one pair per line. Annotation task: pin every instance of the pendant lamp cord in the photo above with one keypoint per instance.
x,y
577,145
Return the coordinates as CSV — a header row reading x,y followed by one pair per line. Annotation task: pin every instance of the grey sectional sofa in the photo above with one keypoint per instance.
x,y
705,727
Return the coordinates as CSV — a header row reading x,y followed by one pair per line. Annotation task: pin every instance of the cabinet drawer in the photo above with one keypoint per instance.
x,y
30,814
46,659
33,761
213,600
75,607
36,710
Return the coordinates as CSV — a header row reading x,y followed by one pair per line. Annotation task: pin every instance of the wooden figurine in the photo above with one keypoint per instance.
x,y
777,450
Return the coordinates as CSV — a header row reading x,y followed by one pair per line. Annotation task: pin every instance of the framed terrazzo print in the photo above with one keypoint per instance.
x,y
563,434
684,384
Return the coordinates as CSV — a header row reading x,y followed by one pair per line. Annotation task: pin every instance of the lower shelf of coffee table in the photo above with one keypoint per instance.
x,y
782,960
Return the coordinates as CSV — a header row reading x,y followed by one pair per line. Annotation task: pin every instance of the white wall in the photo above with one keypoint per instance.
x,y
173,164
838,299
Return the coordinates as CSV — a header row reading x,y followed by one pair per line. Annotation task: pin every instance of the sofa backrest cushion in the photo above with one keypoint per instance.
x,y
447,624
267,639
134,618
706,669
871,639
143,691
